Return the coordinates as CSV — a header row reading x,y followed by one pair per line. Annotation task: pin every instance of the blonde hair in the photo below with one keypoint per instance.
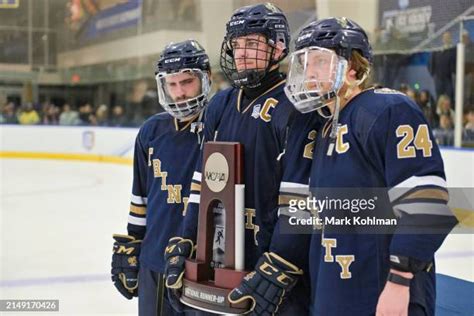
x,y
441,99
361,66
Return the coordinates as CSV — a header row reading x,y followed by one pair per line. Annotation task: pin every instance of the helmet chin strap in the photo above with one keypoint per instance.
x,y
340,79
334,127
320,112
352,85
198,126
337,108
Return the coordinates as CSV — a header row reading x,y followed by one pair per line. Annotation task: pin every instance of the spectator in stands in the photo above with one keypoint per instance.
x,y
118,116
28,115
426,103
466,39
377,38
219,82
469,68
149,107
468,132
8,114
42,108
443,67
142,102
444,134
404,88
444,106
102,115
93,120
470,119
68,116
412,94
86,114
469,83
51,115
409,91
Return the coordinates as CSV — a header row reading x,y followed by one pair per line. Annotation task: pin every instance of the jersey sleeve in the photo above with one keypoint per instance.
x,y
401,145
287,241
138,203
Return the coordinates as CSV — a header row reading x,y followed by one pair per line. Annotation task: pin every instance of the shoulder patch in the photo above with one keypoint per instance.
x,y
256,111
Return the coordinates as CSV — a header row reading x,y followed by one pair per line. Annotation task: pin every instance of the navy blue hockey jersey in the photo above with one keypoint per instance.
x,y
165,155
262,127
383,141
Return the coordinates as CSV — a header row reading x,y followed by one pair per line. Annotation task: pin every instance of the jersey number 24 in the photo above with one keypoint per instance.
x,y
411,142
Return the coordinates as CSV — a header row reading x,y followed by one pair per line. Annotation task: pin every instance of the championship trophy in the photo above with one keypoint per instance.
x,y
207,282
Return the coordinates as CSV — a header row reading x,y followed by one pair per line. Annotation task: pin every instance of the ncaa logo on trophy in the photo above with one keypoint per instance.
x,y
219,264
216,172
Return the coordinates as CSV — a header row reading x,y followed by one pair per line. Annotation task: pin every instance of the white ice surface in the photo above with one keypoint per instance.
x,y
57,219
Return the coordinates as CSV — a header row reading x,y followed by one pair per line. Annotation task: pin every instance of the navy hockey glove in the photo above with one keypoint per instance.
x,y
267,285
176,253
125,265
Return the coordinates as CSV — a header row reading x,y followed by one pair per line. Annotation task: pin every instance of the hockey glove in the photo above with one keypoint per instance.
x,y
125,265
266,287
176,253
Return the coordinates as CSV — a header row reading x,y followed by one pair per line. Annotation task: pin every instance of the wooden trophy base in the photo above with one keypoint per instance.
x,y
209,298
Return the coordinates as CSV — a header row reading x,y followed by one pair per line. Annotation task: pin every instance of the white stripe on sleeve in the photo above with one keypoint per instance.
x,y
194,198
197,176
139,221
423,208
293,187
412,182
139,200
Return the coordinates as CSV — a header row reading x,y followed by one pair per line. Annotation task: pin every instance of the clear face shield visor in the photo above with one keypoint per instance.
x,y
183,94
315,75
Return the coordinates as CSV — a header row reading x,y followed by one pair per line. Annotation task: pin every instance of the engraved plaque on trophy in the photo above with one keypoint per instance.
x,y
219,264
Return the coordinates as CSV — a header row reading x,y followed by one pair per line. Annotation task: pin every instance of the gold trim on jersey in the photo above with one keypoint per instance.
x,y
139,210
285,199
188,123
195,187
326,128
239,97
435,194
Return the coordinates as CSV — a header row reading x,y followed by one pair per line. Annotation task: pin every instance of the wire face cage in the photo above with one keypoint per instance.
x,y
245,60
183,94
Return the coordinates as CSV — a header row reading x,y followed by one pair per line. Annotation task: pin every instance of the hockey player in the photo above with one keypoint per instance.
x,y
257,114
166,150
376,138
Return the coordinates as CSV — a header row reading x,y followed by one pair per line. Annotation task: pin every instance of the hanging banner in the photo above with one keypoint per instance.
x,y
411,21
117,17
9,4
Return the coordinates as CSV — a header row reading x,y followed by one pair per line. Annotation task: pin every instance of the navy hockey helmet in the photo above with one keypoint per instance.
x,y
263,19
340,34
187,54
317,68
182,77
